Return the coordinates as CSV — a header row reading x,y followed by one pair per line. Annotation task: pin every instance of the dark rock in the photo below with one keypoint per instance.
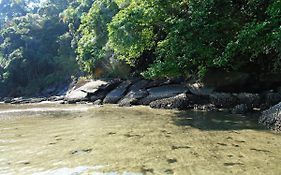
x,y
115,95
226,81
103,90
181,101
249,99
141,84
132,97
271,118
241,109
161,92
272,98
223,100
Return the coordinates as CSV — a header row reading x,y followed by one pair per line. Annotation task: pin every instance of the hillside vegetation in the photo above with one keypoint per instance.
x,y
46,43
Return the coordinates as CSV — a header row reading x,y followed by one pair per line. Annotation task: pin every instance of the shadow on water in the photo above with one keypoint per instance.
x,y
220,121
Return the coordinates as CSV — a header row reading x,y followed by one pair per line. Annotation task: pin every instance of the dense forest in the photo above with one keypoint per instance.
x,y
48,42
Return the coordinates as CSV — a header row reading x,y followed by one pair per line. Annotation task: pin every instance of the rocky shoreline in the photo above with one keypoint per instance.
x,y
166,94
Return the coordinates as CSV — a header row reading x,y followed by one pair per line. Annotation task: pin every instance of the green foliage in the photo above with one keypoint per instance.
x,y
92,46
36,51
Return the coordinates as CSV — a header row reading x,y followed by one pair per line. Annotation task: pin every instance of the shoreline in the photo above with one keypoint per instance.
x,y
157,94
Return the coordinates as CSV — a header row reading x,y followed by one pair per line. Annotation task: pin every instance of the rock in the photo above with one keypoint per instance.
x,y
115,95
103,90
241,109
181,101
161,92
132,97
199,89
81,93
249,99
272,98
223,100
271,118
141,84
227,81
98,102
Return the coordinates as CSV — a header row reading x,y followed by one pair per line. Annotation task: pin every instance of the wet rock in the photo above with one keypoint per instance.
x,y
115,95
249,99
132,97
271,118
181,101
161,92
241,109
138,85
223,100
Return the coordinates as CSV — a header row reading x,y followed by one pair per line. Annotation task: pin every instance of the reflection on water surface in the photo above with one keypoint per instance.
x,y
84,139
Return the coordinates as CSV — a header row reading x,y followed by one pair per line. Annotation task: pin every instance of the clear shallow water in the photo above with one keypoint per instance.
x,y
81,139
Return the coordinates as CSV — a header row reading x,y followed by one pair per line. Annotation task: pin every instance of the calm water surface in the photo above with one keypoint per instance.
x,y
85,139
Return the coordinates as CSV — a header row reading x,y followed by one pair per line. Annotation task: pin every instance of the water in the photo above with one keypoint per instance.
x,y
85,139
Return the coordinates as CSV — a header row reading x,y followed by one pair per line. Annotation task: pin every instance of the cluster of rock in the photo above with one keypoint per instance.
x,y
167,94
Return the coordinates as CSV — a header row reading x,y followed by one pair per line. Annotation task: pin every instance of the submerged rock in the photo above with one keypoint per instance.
x,y
271,118
161,92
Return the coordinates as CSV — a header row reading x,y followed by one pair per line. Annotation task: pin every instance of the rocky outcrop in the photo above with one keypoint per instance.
x,y
115,95
80,94
271,118
161,92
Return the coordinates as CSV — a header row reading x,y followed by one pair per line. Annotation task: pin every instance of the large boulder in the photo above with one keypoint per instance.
x,y
132,97
136,91
161,92
181,102
115,95
80,94
103,90
271,118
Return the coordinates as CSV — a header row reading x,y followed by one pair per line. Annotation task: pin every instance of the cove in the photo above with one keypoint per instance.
x,y
45,139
